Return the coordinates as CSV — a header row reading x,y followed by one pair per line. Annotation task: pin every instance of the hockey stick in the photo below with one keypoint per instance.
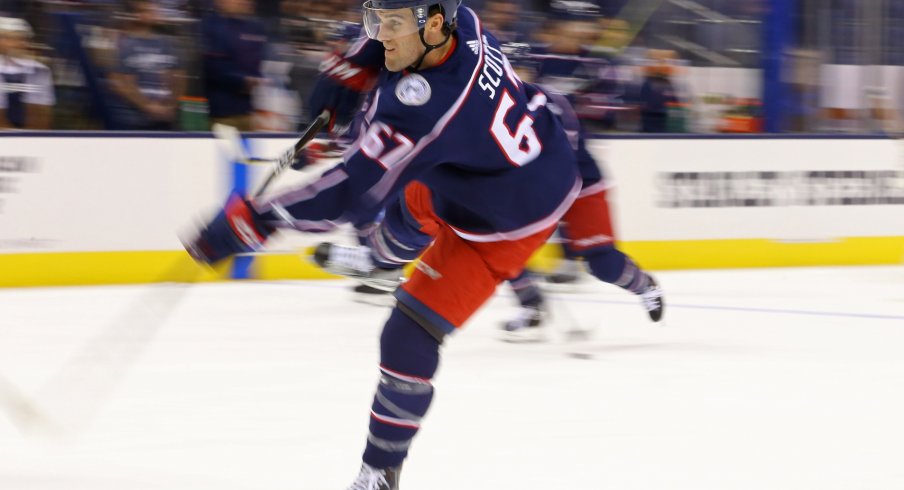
x,y
86,380
236,152
289,156
575,336
233,140
25,415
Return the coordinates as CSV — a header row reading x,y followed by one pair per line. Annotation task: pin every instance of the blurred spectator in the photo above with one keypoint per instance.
x,y
26,85
657,93
615,34
505,19
310,26
233,45
146,78
802,103
295,27
573,26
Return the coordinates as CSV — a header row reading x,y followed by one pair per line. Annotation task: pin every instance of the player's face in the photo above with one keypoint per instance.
x,y
402,52
398,30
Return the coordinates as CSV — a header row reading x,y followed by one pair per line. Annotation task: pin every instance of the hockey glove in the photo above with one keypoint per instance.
x,y
315,152
342,102
238,228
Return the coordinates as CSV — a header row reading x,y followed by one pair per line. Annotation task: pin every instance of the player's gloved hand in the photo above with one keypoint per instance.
x,y
311,154
342,102
303,158
236,229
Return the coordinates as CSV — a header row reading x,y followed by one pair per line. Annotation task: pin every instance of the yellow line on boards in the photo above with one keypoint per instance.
x,y
93,268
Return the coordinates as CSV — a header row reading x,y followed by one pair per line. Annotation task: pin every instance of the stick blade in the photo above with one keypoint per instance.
x,y
230,140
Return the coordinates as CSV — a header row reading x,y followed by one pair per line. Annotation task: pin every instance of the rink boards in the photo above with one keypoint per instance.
x,y
93,208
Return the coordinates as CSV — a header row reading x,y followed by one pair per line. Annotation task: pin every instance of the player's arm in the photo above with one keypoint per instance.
x,y
383,160
344,78
353,191
338,196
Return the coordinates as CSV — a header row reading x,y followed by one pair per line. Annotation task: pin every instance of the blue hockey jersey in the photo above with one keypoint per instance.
x,y
497,161
590,80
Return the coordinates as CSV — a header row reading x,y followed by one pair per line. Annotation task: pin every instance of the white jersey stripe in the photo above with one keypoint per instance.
x,y
528,230
303,194
595,188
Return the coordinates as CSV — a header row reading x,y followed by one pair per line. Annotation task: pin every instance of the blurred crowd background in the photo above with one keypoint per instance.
x,y
676,66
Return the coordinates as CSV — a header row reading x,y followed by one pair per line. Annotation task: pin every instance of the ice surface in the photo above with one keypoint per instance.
x,y
759,379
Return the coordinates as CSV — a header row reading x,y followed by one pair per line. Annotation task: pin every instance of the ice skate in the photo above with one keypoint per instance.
x,y
373,296
653,300
356,262
528,326
370,478
565,277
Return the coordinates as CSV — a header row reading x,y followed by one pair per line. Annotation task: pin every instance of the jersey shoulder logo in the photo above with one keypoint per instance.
x,y
413,90
474,45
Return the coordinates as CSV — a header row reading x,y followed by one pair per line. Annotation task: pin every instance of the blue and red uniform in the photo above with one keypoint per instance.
x,y
494,160
464,160
461,157
591,81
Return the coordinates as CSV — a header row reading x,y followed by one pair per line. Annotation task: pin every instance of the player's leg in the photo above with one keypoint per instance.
x,y
569,268
590,235
396,239
528,325
453,279
409,357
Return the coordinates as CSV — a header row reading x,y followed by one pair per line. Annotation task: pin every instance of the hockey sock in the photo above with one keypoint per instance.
x,y
526,289
409,359
610,265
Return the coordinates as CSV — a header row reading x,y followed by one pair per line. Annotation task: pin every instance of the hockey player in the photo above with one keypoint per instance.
x,y
570,63
587,232
486,169
565,61
586,229
590,79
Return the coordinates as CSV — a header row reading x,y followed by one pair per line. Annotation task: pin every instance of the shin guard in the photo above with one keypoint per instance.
x,y
409,359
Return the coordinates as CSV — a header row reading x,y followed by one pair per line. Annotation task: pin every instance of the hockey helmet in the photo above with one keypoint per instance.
x,y
389,19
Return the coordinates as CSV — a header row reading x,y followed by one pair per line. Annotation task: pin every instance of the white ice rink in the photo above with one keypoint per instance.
x,y
765,379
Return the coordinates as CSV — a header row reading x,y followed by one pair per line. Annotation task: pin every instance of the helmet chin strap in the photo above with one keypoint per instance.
x,y
430,47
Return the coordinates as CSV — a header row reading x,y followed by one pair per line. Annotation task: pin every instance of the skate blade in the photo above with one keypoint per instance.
x,y
383,300
532,335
